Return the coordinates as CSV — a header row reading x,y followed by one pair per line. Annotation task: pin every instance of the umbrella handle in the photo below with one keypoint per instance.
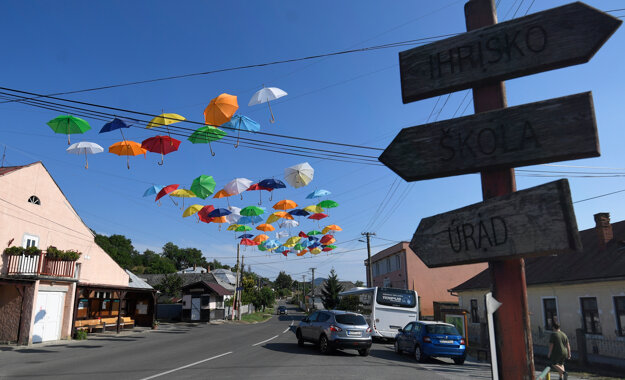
x,y
127,162
273,119
260,198
238,135
162,159
211,148
86,160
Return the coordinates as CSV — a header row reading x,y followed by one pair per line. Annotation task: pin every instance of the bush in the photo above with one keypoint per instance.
x,y
18,251
80,335
53,253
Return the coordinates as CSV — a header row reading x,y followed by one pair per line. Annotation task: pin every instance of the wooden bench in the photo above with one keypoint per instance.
x,y
89,324
103,323
127,321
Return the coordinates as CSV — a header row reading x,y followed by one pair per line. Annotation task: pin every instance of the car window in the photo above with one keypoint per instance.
x,y
313,316
408,327
323,317
442,329
350,319
417,328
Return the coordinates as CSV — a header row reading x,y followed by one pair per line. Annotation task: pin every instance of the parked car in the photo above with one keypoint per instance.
x,y
425,339
282,310
335,329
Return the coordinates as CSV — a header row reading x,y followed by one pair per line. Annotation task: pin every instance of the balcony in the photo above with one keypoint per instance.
x,y
39,265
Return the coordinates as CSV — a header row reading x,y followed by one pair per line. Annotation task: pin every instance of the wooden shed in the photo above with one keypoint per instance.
x,y
203,301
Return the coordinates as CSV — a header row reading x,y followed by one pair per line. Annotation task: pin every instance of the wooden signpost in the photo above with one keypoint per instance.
x,y
508,225
552,39
548,131
532,222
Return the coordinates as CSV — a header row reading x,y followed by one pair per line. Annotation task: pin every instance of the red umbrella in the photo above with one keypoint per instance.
x,y
285,252
327,249
326,239
248,242
203,213
257,187
302,234
161,144
166,190
318,216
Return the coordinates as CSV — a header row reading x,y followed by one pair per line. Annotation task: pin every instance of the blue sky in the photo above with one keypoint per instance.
x,y
53,47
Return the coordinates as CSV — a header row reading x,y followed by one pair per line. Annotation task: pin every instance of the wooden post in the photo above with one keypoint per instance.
x,y
515,358
122,295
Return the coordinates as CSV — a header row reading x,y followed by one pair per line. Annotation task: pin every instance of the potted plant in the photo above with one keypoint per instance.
x,y
14,251
53,253
155,324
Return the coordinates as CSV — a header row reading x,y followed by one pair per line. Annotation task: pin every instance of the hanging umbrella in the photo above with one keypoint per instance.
x,y
152,190
328,204
238,123
203,213
318,216
220,109
68,125
289,223
257,187
281,234
85,147
235,214
233,227
161,144
313,209
204,135
265,227
271,244
164,120
313,238
282,249
328,248
304,243
315,251
271,183
237,186
332,227
243,228
302,234
314,232
250,219
182,193
318,194
290,242
327,239
127,148
298,247
314,245
193,209
218,212
203,186
283,214
285,204
266,95
261,247
299,175
252,211
115,124
261,238
245,236
220,220
248,242
299,212
166,190
272,219
302,253
222,194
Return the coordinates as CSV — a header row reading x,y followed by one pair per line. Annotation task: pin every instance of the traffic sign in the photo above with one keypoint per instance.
x,y
533,222
553,130
552,39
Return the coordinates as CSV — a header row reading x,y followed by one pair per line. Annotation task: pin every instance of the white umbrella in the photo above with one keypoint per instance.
x,y
282,234
265,95
85,147
289,223
236,214
237,186
299,175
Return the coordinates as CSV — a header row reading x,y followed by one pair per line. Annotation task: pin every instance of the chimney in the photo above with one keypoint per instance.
x,y
194,267
603,228
208,269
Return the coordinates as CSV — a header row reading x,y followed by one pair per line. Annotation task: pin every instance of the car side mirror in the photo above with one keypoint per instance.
x,y
400,330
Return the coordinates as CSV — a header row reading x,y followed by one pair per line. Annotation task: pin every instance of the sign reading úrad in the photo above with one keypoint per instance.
x,y
533,222
548,131
552,39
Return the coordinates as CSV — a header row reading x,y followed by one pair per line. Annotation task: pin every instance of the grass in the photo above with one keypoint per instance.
x,y
259,316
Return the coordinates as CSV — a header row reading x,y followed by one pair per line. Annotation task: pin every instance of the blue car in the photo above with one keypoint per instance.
x,y
425,339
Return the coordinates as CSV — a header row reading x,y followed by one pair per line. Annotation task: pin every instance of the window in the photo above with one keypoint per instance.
x,y
475,317
30,241
377,269
408,328
388,265
590,315
34,200
387,282
550,312
323,317
397,262
204,300
619,312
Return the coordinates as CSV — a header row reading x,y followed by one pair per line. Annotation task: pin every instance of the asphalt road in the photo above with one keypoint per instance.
x,y
228,351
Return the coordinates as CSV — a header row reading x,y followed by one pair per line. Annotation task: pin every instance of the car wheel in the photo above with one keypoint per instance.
x,y
364,351
460,360
396,347
324,345
300,340
419,355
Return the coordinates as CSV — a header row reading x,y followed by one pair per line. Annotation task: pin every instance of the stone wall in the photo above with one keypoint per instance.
x,y
10,305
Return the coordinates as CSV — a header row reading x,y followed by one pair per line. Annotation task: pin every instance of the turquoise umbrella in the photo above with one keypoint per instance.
x,y
240,122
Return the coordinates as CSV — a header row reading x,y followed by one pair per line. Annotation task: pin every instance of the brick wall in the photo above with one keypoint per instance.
x,y
10,305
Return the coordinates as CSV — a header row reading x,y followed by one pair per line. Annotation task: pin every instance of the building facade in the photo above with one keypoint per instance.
x,y
399,267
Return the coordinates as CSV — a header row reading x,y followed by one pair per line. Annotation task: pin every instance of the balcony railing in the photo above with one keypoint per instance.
x,y
39,265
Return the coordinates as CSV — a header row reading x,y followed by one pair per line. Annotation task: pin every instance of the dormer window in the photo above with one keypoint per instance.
x,y
34,200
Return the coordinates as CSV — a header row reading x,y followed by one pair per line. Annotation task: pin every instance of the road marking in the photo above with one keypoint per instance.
x,y
287,329
185,366
265,341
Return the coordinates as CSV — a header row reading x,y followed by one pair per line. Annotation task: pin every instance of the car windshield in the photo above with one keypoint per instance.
x,y
441,329
350,319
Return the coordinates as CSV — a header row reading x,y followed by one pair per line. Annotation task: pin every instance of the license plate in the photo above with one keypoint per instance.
x,y
354,333
446,341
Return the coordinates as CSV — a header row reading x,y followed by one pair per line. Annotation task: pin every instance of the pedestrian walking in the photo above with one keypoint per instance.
x,y
559,351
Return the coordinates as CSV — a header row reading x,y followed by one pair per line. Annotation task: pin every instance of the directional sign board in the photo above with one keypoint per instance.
x,y
534,222
552,39
552,130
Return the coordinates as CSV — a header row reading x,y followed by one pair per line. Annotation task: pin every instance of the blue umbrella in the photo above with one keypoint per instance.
x,y
245,236
314,245
115,124
239,123
249,219
304,242
318,194
218,212
299,212
152,190
271,183
281,249
272,243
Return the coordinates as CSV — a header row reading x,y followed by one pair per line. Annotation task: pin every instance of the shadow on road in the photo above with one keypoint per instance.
x,y
308,349
296,318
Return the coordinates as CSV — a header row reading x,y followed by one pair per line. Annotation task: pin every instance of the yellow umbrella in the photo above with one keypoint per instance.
x,y
260,238
127,148
290,242
272,218
232,227
165,119
182,193
285,204
315,251
313,209
265,227
193,209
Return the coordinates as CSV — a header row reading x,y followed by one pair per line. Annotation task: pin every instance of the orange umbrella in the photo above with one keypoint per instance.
x,y
127,148
220,109
222,194
260,238
285,205
283,214
265,227
219,219
302,253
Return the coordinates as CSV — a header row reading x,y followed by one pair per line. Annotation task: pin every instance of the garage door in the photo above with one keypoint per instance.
x,y
48,316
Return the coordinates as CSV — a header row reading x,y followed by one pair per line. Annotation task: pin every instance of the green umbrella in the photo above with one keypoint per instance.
x,y
207,134
203,186
243,228
252,211
328,204
261,247
298,247
314,232
68,124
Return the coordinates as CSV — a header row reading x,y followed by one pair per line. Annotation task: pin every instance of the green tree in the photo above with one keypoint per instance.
x,y
120,249
330,291
359,284
350,303
283,281
267,297
170,285
183,257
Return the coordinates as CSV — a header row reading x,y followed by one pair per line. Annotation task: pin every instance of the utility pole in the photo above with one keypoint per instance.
x,y
369,269
240,291
236,288
304,289
312,287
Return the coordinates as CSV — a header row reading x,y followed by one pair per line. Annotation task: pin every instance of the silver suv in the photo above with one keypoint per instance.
x,y
335,329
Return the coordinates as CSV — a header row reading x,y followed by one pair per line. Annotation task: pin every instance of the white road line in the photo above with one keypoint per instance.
x,y
186,366
265,341
287,329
